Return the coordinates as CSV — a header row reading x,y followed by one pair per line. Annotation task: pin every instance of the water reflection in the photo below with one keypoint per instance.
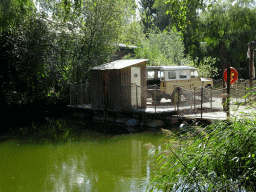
x,y
120,163
136,158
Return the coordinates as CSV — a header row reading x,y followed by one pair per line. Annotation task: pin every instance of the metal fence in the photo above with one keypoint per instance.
x,y
80,94
241,92
196,100
200,100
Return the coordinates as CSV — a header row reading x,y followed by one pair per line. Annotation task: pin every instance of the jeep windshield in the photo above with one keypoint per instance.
x,y
153,74
194,74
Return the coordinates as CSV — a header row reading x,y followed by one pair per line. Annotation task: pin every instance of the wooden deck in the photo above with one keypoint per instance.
x,y
164,113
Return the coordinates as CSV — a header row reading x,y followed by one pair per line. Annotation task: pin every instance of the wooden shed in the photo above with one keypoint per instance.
x,y
119,85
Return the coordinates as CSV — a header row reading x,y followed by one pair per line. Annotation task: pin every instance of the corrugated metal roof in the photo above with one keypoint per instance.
x,y
176,68
169,67
119,64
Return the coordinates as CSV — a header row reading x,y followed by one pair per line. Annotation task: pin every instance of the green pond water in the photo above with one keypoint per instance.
x,y
87,163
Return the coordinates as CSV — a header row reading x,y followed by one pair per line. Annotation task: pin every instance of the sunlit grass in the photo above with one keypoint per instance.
x,y
223,156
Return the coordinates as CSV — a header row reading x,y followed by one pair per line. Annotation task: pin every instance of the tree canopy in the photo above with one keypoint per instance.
x,y
206,25
48,43
58,43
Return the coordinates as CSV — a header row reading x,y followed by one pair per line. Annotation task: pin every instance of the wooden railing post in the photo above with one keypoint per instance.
x,y
155,98
228,88
202,102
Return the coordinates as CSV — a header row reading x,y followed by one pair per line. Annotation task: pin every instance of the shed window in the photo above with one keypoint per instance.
x,y
182,74
172,75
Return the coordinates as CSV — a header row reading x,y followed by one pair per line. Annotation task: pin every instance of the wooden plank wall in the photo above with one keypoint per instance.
x,y
118,87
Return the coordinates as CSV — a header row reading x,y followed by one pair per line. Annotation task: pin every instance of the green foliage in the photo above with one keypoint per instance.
x,y
132,33
231,23
206,67
161,19
58,44
206,22
87,32
23,67
146,14
224,159
163,48
13,12
178,11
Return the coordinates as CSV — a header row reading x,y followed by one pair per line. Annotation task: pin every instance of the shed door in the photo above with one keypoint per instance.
x,y
136,87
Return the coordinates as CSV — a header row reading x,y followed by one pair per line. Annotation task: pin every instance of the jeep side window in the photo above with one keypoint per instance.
x,y
194,74
162,75
158,75
172,75
182,74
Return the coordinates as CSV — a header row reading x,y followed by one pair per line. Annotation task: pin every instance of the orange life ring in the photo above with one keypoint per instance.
x,y
233,75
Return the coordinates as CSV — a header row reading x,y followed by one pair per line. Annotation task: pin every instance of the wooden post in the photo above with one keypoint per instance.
x,y
194,98
155,98
70,93
245,91
228,88
178,100
81,94
174,90
190,92
223,66
236,90
211,98
104,104
136,97
202,102
223,81
251,64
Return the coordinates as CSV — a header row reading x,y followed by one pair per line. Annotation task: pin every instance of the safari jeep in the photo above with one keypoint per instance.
x,y
167,81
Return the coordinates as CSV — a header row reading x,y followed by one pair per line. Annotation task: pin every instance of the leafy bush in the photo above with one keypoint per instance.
x,y
162,48
206,67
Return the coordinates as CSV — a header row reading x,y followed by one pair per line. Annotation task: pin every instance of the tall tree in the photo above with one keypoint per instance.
x,y
94,27
14,12
23,42
183,17
161,19
231,22
147,12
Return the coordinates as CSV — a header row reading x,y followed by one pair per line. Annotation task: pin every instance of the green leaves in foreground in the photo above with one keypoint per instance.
x,y
222,160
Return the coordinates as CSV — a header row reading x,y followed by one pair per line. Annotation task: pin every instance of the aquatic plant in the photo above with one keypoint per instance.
x,y
224,159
